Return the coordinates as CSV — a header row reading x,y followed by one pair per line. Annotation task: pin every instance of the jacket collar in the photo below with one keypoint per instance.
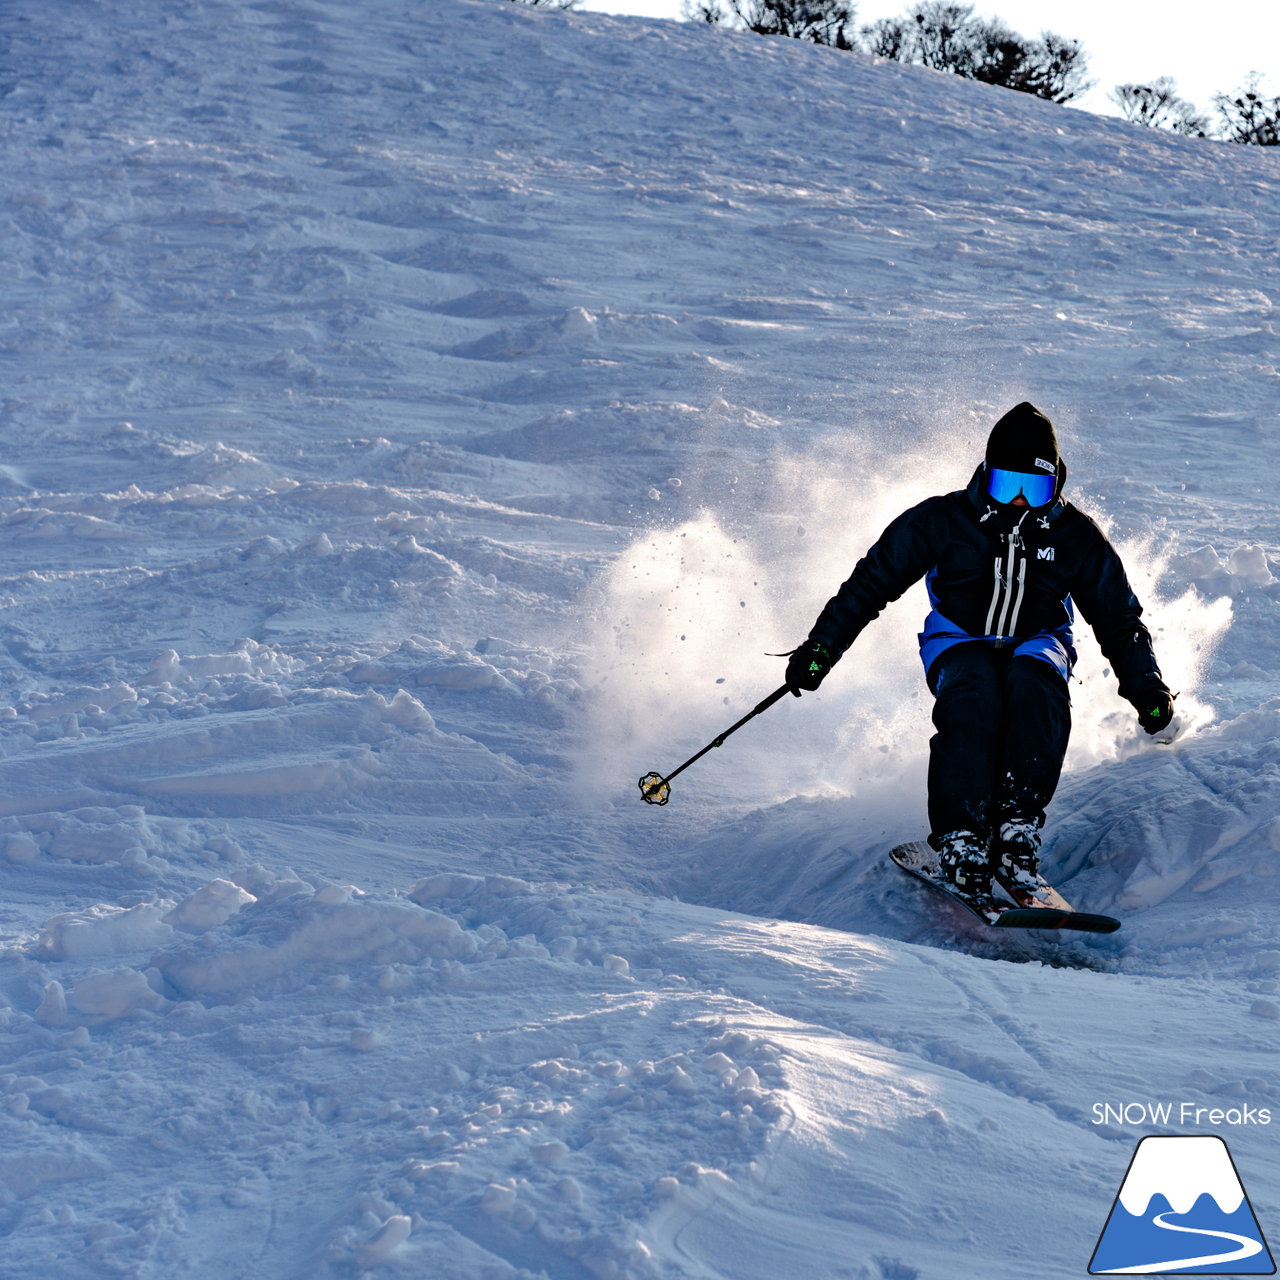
x,y
1001,519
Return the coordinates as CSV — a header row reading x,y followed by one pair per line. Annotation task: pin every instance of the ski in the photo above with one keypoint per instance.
x,y
1043,908
1042,896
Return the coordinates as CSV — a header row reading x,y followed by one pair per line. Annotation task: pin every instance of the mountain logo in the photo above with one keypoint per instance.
x,y
1182,1210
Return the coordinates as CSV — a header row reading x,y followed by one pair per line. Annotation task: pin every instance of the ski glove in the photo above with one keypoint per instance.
x,y
1155,709
808,666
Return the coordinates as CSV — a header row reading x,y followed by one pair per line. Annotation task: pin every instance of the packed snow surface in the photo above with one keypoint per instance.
x,y
422,420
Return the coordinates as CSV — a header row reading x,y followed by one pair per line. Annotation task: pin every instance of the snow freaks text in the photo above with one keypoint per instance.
x,y
1182,1113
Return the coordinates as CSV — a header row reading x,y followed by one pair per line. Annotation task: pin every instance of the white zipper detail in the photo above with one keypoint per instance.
x,y
1017,604
1004,582
1002,630
995,598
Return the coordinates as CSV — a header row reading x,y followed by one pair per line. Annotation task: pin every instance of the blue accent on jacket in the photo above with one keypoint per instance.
x,y
1055,647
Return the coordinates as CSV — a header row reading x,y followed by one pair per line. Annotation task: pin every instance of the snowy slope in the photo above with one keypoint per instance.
x,y
420,421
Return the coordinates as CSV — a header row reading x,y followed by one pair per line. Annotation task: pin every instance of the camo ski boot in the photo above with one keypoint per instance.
x,y
1015,853
964,863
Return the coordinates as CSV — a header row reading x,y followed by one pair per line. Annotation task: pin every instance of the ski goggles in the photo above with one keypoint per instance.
x,y
1036,489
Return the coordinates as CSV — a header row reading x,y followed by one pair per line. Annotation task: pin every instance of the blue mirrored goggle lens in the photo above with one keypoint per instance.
x,y
1004,486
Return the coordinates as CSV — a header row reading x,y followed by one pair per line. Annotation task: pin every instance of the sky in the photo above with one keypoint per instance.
x,y
1126,42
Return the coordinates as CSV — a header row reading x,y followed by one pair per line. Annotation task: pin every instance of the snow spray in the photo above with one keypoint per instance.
x,y
694,608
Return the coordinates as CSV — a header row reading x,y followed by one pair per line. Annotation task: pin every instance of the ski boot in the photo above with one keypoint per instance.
x,y
964,864
1015,853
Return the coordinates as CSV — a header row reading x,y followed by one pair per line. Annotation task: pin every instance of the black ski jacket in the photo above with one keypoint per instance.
x,y
1000,574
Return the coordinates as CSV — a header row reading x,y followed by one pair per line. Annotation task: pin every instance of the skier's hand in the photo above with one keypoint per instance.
x,y
809,664
1155,710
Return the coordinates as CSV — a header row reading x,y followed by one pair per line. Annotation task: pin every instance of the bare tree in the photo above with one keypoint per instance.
x,y
1158,106
828,22
945,35
995,54
888,38
1057,68
1248,116
706,11
941,35
1051,67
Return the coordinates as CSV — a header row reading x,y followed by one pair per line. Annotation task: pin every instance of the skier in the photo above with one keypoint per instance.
x,y
1005,561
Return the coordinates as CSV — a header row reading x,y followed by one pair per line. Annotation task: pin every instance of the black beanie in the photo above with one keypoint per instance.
x,y
1023,440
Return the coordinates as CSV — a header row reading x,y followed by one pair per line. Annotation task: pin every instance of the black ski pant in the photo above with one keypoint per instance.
x,y
1002,728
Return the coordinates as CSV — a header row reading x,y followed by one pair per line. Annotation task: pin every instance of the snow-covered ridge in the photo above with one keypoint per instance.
x,y
422,420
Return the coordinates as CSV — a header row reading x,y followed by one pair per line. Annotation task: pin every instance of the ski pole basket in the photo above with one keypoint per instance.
x,y
655,789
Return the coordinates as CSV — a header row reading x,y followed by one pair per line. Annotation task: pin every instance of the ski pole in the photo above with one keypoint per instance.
x,y
656,789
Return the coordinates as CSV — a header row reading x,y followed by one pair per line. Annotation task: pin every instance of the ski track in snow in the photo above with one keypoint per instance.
x,y
422,421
